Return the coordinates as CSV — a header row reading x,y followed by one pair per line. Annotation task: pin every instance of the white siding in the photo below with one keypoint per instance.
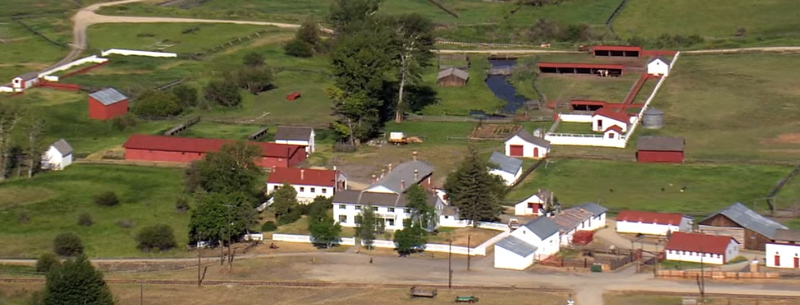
x,y
349,212
653,228
607,122
506,259
527,148
310,144
546,247
714,259
658,67
52,159
305,193
787,254
521,208
509,178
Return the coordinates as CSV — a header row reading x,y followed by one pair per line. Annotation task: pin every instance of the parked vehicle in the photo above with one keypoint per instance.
x,y
466,299
423,293
513,224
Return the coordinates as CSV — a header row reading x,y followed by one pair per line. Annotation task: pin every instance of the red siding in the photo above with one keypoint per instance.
x,y
649,156
296,157
98,111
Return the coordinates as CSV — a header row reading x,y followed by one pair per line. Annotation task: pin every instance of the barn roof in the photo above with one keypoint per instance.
x,y
517,246
616,115
505,163
650,217
661,143
108,96
787,235
662,59
453,71
293,133
570,218
700,243
200,145
750,220
303,176
63,147
543,227
595,208
614,128
527,136
404,173
375,198
29,76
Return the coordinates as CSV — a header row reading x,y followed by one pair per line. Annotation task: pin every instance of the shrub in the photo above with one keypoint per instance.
x,y
46,262
123,122
186,95
298,48
67,244
223,92
182,205
85,220
24,218
106,199
254,59
126,223
156,237
157,104
290,217
269,226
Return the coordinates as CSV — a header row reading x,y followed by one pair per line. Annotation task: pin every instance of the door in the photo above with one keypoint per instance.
x,y
777,260
599,124
797,262
517,150
535,152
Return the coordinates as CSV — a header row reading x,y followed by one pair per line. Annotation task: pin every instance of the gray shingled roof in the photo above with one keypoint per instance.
x,y
517,246
29,75
595,208
661,143
527,136
505,163
787,235
543,227
666,61
108,96
405,172
63,147
749,219
374,198
570,218
453,71
293,133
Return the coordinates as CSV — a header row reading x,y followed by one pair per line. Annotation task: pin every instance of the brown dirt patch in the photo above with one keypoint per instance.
x,y
461,236
494,131
785,138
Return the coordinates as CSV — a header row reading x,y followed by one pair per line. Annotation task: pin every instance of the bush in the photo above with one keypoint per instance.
x,y
298,48
67,244
254,59
106,199
269,226
186,95
290,217
254,80
24,218
126,223
47,262
223,92
85,220
157,104
182,205
156,237
124,122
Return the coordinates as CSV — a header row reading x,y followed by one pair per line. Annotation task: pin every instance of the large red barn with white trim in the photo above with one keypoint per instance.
x,y
184,150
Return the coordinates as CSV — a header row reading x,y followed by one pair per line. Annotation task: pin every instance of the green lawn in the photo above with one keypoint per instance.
x,y
220,131
727,110
564,88
476,95
628,185
167,37
54,200
578,128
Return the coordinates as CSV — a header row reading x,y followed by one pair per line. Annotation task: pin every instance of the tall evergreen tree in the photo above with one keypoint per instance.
x,y
475,192
76,283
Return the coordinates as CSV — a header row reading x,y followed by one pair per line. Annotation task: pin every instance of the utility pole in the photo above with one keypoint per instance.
x,y
469,244
199,249
141,293
701,281
450,265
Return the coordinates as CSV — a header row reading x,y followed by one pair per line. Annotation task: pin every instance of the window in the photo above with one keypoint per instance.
x,y
610,135
342,207
275,187
343,218
446,217
391,210
374,209
407,210
313,190
390,222
324,190
358,208
302,189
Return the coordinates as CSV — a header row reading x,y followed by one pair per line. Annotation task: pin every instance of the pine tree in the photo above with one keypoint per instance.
x,y
76,283
473,190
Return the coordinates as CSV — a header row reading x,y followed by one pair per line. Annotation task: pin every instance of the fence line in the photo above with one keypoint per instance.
x,y
615,14
444,8
453,118
27,27
226,45
650,99
779,186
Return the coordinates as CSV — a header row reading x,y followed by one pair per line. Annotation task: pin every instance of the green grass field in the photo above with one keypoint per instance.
x,y
219,131
476,95
627,185
54,200
727,110
167,37
564,88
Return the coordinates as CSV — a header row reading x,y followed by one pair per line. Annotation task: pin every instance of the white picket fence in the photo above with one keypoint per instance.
x,y
650,98
137,53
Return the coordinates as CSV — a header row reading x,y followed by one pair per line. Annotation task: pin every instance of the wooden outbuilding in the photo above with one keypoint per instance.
x,y
107,104
617,51
743,224
452,77
652,149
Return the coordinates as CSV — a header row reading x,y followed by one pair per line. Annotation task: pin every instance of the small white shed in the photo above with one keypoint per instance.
x,y
536,204
524,144
58,156
658,67
295,135
508,168
513,253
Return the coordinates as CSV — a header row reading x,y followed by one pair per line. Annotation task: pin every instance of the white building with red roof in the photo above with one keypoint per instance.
x,y
309,183
696,247
605,118
652,223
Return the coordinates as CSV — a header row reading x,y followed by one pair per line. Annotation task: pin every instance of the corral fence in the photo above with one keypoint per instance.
x,y
686,274
182,126
615,14
34,31
230,43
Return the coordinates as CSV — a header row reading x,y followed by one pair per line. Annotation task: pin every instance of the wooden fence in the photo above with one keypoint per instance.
x,y
685,274
779,186
452,118
182,126
615,14
444,8
230,43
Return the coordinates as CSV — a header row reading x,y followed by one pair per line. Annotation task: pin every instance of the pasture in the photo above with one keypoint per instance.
x,y
650,299
53,201
167,37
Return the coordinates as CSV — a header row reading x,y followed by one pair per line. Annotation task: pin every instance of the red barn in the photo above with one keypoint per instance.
x,y
184,150
107,104
660,149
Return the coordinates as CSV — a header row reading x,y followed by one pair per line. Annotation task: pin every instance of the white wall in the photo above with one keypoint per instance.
x,y
527,148
658,67
505,259
309,144
6,89
575,118
548,246
67,66
449,221
714,259
584,140
52,159
398,214
305,195
645,228
521,208
379,243
607,122
787,255
508,178
137,53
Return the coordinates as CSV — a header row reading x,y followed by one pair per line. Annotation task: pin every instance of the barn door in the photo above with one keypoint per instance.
x,y
777,260
516,150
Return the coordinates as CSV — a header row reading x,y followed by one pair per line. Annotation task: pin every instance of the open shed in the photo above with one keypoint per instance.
x,y
617,51
581,68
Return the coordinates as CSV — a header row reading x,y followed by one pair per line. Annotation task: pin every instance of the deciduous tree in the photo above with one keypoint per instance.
x,y
368,226
475,192
230,170
298,48
158,237
224,92
36,147
186,94
254,79
222,217
254,59
284,201
344,13
76,283
157,104
413,50
309,33
325,231
410,239
10,116
422,212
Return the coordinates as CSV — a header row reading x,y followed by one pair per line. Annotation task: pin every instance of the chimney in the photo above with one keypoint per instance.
x,y
416,175
415,155
302,174
374,179
383,172
402,184
390,167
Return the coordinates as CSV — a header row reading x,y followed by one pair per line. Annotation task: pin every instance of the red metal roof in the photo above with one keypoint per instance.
x,y
580,65
200,145
587,102
700,243
650,217
303,176
616,48
614,128
616,115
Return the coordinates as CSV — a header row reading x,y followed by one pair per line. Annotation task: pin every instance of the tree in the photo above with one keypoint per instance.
x,y
187,95
254,59
325,231
287,210
357,115
422,212
309,33
76,283
156,237
230,170
414,44
254,79
368,226
224,92
222,217
157,104
410,239
344,13
47,262
298,48
318,209
67,244
10,116
36,146
108,198
475,192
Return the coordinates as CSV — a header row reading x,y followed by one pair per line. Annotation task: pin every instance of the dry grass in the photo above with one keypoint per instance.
x,y
461,236
636,299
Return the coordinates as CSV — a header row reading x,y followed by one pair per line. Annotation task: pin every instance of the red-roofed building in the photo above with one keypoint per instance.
x,y
184,150
652,223
696,247
617,51
581,68
309,183
604,118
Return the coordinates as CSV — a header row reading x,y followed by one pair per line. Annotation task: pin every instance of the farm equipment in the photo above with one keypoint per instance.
x,y
466,299
399,138
423,293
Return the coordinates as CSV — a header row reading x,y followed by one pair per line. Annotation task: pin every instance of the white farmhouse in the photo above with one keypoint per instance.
x,y
296,135
449,217
524,144
652,223
536,240
508,168
399,179
784,251
695,247
605,118
58,156
25,81
658,67
309,183
536,204
586,217
389,207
